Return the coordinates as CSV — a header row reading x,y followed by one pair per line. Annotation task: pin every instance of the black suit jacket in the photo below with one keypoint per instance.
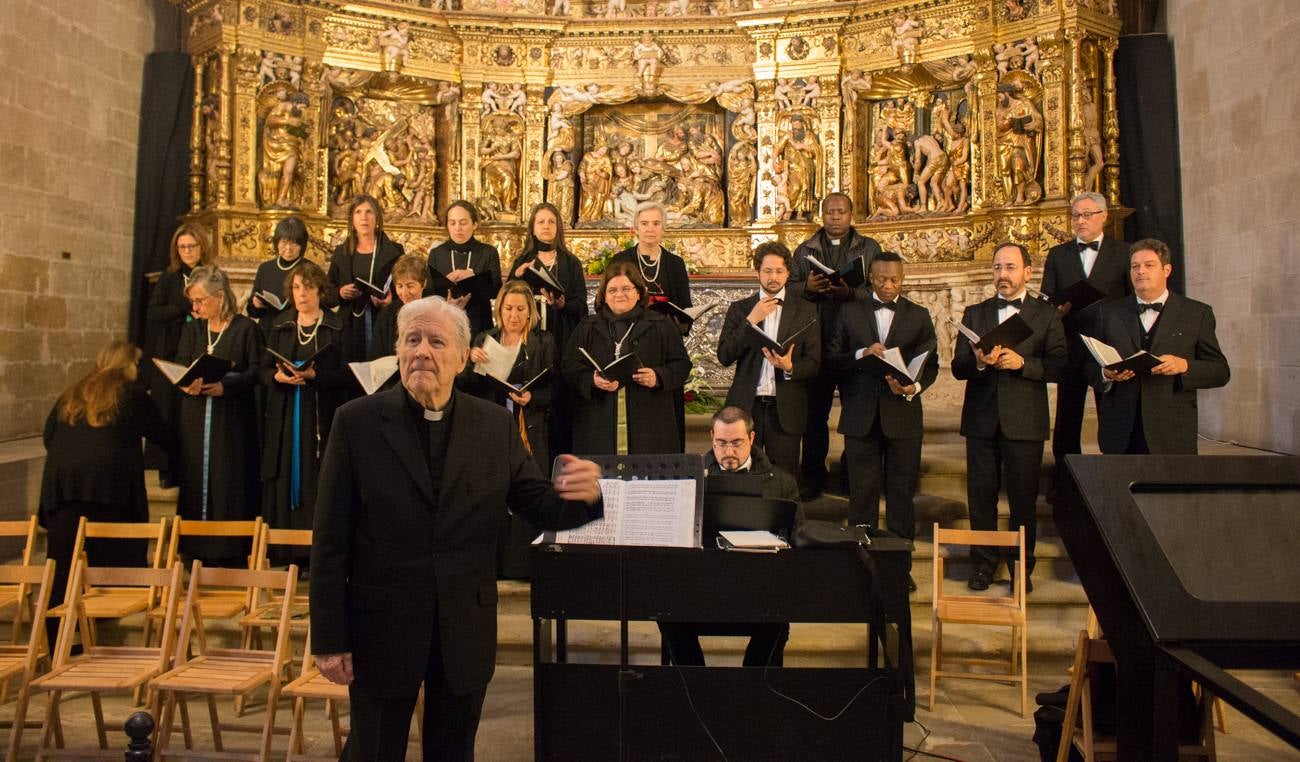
x,y
1109,275
481,257
389,559
852,246
1013,401
863,394
1167,403
737,345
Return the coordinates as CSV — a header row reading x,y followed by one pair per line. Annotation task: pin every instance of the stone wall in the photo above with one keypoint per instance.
x,y
70,80
1239,129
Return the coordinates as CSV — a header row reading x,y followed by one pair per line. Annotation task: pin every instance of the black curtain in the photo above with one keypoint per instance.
x,y
162,174
1149,170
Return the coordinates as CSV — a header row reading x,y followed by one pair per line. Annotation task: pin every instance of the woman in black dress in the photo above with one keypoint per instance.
x,y
218,426
638,419
289,242
301,400
169,311
462,256
560,312
367,254
516,316
94,466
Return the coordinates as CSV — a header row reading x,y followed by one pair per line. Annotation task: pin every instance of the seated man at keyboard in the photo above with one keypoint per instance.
x,y
733,452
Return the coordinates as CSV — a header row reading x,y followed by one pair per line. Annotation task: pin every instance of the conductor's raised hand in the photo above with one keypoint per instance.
x,y
337,668
577,479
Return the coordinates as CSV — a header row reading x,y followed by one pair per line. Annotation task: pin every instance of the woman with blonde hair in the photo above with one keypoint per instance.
x,y
516,331
94,465
219,453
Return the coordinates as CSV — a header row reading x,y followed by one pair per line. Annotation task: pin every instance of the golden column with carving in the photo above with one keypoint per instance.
x,y
471,110
1111,129
245,165
829,105
1056,94
226,103
530,164
765,105
986,185
1076,151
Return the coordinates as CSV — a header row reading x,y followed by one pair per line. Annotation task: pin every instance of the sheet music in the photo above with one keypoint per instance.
x,y
1102,352
973,337
500,362
657,512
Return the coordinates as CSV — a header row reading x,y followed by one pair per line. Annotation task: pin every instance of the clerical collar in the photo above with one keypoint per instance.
x,y
421,413
434,415
835,241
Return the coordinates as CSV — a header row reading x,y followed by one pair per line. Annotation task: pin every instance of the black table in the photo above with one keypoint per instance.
x,y
618,710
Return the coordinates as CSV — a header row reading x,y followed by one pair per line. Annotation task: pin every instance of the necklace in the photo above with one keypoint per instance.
x,y
292,264
212,343
618,345
643,262
305,338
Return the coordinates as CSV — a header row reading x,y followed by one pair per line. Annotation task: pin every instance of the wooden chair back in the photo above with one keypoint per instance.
x,y
86,579
18,595
155,533
967,537
20,659
190,528
211,579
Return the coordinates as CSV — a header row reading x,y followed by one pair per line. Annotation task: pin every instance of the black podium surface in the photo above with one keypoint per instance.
x,y
1189,562
617,710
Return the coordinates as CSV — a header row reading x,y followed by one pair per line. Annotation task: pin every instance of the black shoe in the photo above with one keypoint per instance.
x,y
911,584
979,580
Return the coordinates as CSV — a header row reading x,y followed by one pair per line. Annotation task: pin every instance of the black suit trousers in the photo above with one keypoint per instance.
x,y
782,447
381,726
874,460
766,642
996,462
1071,396
817,435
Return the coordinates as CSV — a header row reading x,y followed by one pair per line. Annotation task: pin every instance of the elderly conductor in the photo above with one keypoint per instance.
x,y
414,488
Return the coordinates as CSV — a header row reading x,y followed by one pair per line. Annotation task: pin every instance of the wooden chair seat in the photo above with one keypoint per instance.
x,y
268,615
103,669
223,675
311,684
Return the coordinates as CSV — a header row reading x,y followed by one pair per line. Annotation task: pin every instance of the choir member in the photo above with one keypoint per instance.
x,y
610,418
534,353
772,387
463,256
835,245
94,466
1004,414
301,399
410,276
218,426
289,242
1155,412
369,254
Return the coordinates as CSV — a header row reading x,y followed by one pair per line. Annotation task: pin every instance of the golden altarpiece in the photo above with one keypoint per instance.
x,y
954,124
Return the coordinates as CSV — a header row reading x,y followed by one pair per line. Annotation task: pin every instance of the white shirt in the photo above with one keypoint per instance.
x,y
1149,317
1009,310
884,318
1088,257
771,324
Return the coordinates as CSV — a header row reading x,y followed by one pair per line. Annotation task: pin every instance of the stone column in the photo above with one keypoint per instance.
x,y
1110,124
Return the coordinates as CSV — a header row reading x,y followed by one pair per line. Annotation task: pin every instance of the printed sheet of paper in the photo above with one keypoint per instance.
x,y
641,512
500,362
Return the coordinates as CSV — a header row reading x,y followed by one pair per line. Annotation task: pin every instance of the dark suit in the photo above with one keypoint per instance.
x,y
1156,414
1064,268
779,419
404,573
821,389
1005,421
882,430
358,315
474,255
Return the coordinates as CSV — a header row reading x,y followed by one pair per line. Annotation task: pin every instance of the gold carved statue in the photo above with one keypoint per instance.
x,y
799,157
284,133
557,169
1020,138
1091,137
742,166
596,173
501,150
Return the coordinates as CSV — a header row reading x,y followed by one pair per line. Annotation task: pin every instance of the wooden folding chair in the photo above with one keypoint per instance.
x,y
104,670
17,595
107,602
214,672
218,604
311,684
20,659
1077,727
1006,611
263,605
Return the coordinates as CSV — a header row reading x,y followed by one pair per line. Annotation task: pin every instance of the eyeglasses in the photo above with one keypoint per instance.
x,y
621,290
1083,215
728,444
188,246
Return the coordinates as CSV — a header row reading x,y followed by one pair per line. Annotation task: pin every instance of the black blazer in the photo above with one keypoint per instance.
x,y
482,257
672,279
1168,403
652,422
735,345
1013,402
852,246
271,278
537,353
568,272
351,313
1109,276
863,394
390,560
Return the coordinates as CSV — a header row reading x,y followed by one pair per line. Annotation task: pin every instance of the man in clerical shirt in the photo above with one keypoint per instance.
x,y
414,489
1155,412
834,245
772,386
733,452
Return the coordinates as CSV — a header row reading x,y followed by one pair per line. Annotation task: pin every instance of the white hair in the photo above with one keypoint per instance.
x,y
432,306
1095,198
649,206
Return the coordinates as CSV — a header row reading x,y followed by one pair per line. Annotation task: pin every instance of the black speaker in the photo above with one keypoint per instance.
x,y
1149,175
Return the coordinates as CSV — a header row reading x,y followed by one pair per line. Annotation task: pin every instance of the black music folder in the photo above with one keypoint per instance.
x,y
207,367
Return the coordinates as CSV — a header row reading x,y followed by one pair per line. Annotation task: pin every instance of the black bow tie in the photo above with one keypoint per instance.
x,y
1095,246
876,304
1154,307
1009,303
